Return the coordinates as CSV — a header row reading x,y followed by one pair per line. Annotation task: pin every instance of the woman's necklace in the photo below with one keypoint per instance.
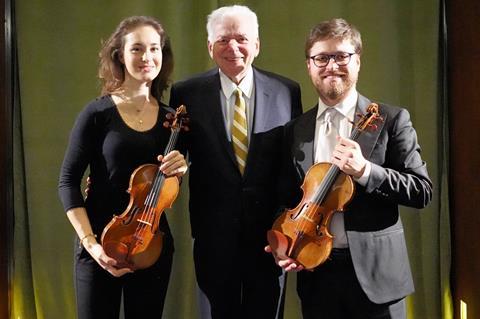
x,y
138,111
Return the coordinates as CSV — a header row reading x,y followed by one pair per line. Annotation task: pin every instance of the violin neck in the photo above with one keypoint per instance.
x,y
331,175
157,183
172,141
326,185
355,133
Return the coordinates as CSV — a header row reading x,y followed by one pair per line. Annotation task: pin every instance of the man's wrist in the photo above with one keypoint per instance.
x,y
363,179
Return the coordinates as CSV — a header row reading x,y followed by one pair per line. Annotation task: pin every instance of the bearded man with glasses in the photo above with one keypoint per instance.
x,y
368,273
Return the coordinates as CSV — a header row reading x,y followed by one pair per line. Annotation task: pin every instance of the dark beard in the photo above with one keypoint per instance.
x,y
336,91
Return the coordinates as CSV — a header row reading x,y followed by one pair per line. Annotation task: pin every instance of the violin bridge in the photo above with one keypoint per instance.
x,y
144,222
308,218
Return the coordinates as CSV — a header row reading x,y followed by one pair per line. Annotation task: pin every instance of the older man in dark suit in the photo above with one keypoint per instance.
x,y
236,112
368,273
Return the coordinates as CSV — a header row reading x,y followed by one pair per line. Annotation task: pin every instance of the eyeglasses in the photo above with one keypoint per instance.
x,y
341,59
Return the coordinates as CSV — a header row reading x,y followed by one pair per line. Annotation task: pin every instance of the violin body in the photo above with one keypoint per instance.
x,y
302,233
133,238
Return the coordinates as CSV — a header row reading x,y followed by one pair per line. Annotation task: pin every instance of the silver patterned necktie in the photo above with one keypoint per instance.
x,y
327,138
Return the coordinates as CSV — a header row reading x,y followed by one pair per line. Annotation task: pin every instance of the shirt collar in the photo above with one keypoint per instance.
x,y
344,107
246,85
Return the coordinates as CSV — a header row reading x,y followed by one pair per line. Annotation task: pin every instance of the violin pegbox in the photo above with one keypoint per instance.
x,y
178,120
368,120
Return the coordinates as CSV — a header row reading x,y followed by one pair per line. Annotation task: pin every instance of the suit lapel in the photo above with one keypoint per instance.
x,y
369,137
262,101
262,105
304,138
214,104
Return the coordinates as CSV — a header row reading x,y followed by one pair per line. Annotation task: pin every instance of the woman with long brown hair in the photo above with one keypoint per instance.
x,y
113,135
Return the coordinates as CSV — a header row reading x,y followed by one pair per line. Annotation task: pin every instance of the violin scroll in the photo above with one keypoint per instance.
x,y
368,120
178,120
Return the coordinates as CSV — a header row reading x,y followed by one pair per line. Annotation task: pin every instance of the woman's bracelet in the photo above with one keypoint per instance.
x,y
85,237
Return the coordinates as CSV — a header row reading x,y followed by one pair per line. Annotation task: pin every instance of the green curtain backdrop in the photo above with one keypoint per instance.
x,y
58,43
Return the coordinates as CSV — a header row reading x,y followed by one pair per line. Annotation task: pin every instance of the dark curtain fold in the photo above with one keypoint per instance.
x,y
6,174
445,265
22,288
23,292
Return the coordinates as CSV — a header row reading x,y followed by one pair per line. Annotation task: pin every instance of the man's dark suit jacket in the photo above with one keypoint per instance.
x,y
372,222
230,213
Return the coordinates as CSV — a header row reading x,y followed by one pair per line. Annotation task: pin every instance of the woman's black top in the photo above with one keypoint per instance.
x,y
102,141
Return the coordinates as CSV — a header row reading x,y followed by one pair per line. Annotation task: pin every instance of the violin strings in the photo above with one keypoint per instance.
x,y
150,202
300,230
148,213
172,141
331,175
323,189
160,176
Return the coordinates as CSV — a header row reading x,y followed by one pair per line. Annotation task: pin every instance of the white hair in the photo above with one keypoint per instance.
x,y
217,16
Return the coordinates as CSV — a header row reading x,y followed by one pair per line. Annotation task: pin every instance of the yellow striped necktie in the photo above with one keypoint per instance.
x,y
239,131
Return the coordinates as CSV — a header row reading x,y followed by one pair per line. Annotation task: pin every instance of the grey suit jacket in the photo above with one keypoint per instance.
x,y
374,229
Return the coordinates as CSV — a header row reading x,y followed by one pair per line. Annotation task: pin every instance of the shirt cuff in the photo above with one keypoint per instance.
x,y
362,180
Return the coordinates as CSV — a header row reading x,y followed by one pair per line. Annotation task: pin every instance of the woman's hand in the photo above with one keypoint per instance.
x,y
288,264
96,251
79,219
173,164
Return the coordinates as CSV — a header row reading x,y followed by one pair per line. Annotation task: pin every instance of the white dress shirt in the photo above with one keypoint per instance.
x,y
227,97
